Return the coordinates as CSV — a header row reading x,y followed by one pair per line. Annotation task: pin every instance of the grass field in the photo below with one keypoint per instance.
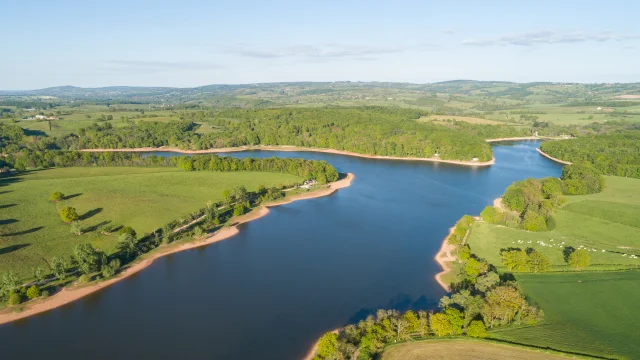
x,y
143,198
593,312
472,120
607,221
464,349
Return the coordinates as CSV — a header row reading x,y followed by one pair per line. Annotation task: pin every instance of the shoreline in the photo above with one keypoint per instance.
x,y
312,351
443,257
525,138
552,158
72,293
294,149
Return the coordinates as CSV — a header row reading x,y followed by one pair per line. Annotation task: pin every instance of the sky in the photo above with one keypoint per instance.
x,y
191,43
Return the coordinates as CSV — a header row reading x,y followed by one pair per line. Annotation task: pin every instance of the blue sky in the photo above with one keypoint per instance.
x,y
190,43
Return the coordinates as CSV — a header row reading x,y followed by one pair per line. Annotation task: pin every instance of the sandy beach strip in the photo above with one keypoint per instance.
x,y
552,158
74,292
443,258
296,148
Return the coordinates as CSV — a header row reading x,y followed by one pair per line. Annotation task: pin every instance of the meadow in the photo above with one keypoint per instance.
x,y
144,198
591,312
605,221
464,349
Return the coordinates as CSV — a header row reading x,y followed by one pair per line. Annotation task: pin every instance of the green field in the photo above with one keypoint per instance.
x,y
606,221
464,349
591,312
143,198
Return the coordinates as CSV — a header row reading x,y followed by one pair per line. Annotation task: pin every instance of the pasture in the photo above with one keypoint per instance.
x,y
591,312
465,349
605,221
144,198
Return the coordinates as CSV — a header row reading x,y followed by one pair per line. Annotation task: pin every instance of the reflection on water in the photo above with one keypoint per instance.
x,y
307,267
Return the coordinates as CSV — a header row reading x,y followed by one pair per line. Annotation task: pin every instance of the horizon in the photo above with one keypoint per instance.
x,y
196,43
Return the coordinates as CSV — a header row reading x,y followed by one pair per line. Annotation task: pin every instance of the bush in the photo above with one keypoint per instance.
x,y
533,221
14,299
56,196
76,229
239,209
68,214
490,215
84,279
33,292
477,329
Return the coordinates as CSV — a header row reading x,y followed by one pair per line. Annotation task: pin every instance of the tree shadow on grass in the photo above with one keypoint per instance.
x,y
30,132
95,227
567,251
7,206
67,197
4,192
12,248
8,221
90,213
24,232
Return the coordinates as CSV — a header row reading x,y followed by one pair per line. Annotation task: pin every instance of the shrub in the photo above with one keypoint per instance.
x,y
14,299
84,279
477,329
532,221
76,229
68,214
490,215
239,209
198,232
33,292
579,259
56,196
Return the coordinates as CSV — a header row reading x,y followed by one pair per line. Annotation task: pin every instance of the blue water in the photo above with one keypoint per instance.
x,y
307,267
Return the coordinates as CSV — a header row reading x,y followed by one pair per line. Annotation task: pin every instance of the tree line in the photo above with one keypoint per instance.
x,y
612,154
86,263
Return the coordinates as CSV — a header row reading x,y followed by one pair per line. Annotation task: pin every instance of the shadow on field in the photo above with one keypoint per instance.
x,y
7,206
29,132
8,221
12,248
4,192
401,302
70,196
24,232
95,227
91,213
567,251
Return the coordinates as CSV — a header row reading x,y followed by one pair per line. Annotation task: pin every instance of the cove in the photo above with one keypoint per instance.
x,y
306,268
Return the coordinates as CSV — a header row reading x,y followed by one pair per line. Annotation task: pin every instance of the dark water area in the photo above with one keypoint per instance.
x,y
306,268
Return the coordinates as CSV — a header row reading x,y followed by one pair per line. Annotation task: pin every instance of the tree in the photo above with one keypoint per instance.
x,y
128,230
477,329
515,260
128,245
440,325
68,214
88,258
537,262
327,345
579,259
58,267
76,229
14,299
33,292
239,209
487,282
10,283
413,322
456,320
501,305
38,274
56,196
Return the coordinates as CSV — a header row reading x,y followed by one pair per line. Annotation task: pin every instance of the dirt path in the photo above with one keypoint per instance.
x,y
552,158
75,292
295,148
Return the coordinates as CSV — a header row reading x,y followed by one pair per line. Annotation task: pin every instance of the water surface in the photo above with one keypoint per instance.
x,y
306,268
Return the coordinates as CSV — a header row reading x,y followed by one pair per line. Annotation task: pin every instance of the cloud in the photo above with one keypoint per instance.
x,y
448,31
549,37
153,66
325,52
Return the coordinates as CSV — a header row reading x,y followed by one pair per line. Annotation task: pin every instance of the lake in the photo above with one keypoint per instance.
x,y
306,268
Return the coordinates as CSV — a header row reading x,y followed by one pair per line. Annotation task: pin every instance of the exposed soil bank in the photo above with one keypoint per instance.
x,y
552,158
296,148
444,257
70,294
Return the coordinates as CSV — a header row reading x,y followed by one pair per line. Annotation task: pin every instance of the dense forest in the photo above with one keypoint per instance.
x,y
365,130
613,154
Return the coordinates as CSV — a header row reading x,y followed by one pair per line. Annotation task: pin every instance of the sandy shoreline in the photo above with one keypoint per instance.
x,y
552,158
73,293
443,258
296,148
